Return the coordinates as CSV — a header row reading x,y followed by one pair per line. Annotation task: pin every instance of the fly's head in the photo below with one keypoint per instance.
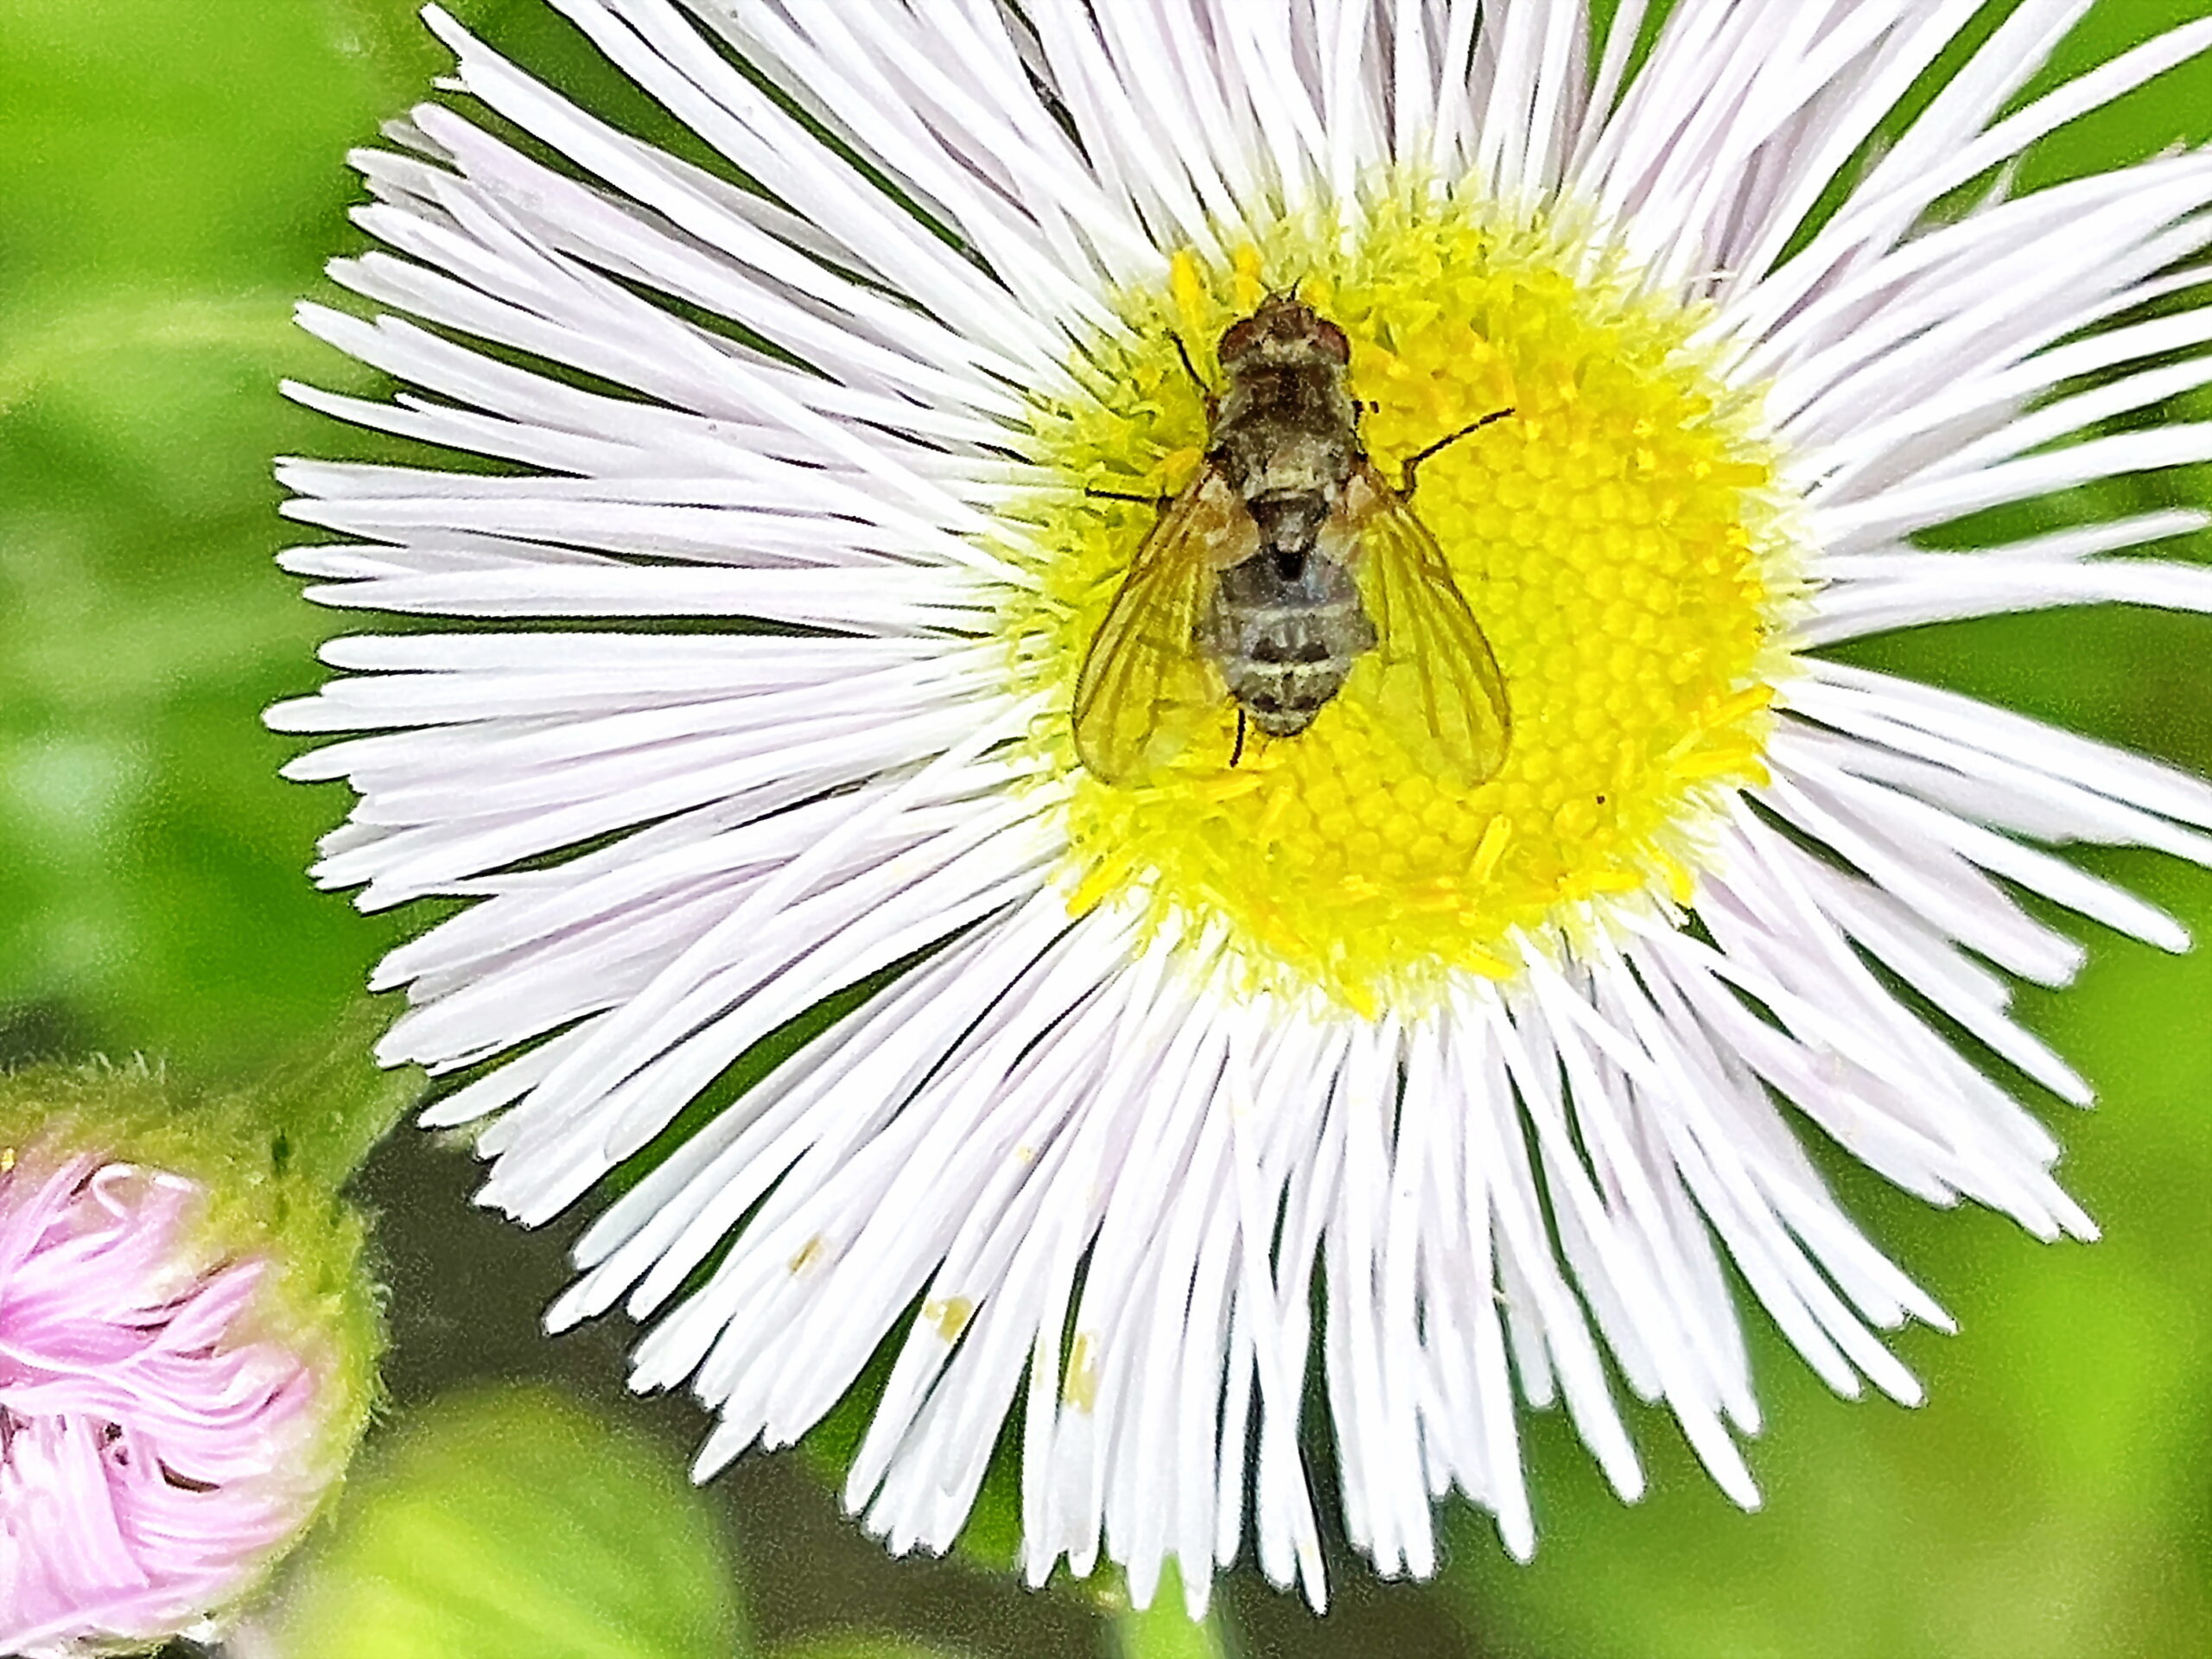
x,y
1284,332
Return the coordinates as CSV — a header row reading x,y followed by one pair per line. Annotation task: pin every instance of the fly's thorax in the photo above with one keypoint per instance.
x,y
1287,429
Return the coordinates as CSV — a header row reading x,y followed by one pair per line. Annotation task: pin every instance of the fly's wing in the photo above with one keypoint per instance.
x,y
1431,675
1145,694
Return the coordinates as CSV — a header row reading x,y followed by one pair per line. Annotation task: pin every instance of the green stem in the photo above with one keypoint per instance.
x,y
1164,1630
333,1107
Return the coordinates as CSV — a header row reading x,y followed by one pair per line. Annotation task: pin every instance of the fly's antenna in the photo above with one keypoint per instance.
x,y
1406,489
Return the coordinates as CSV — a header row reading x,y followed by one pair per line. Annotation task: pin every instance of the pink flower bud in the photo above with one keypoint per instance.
x,y
162,1437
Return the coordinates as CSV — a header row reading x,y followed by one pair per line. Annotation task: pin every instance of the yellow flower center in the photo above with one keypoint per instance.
x,y
1618,537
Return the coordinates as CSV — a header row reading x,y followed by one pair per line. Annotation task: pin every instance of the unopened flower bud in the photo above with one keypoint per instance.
x,y
187,1349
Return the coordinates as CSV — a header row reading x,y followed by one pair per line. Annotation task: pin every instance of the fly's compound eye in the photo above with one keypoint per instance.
x,y
1240,339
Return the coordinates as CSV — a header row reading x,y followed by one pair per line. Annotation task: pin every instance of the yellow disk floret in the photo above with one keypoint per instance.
x,y
1618,537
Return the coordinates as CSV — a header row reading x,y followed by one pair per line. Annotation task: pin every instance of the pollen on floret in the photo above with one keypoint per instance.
x,y
1618,537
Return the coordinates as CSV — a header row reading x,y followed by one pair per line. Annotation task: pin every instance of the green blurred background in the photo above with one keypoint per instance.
x,y
171,179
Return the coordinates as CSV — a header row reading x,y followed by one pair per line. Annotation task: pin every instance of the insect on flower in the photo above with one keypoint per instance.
x,y
1174,1121
1289,571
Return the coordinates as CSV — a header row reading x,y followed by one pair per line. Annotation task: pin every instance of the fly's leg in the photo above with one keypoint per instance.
x,y
1198,380
1237,753
1161,502
1190,368
1406,489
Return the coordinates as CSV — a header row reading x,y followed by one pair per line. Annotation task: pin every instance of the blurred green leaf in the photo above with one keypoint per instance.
x,y
1165,1630
2174,109
859,1646
175,179
514,1525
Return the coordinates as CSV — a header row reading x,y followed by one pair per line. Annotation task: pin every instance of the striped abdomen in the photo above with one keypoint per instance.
x,y
1285,628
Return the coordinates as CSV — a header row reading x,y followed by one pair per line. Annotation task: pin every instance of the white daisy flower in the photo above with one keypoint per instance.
x,y
1140,1103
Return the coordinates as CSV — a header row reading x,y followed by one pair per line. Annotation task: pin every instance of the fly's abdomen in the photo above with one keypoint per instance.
x,y
1286,640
